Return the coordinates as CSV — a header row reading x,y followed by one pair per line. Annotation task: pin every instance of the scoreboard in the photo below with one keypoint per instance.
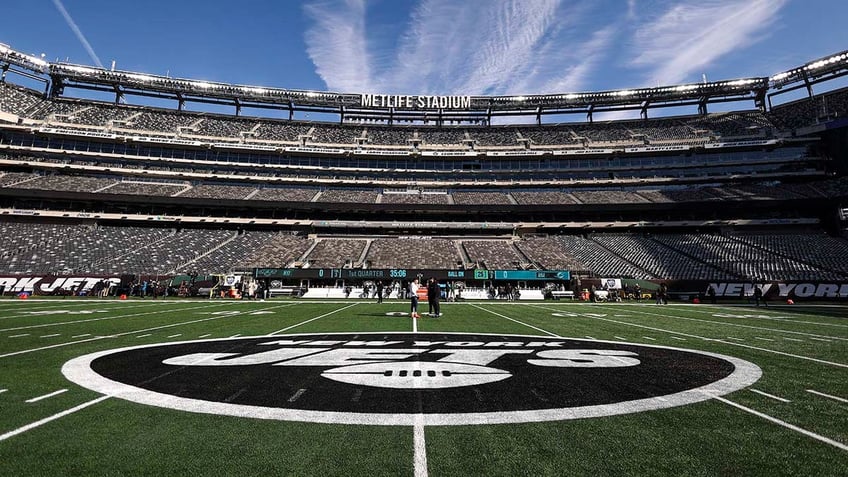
x,y
390,274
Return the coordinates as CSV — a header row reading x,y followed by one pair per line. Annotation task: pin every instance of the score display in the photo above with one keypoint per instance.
x,y
403,274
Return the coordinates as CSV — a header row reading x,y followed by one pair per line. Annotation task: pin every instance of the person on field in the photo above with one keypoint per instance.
x,y
662,294
758,296
712,294
413,298
433,292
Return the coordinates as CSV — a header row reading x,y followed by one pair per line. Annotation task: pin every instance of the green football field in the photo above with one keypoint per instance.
x,y
792,421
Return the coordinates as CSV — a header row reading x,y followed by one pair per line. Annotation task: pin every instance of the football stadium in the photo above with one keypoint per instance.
x,y
189,292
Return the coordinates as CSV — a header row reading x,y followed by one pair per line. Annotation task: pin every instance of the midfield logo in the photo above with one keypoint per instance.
x,y
387,379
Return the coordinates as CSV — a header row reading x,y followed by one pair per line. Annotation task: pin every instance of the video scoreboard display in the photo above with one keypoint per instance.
x,y
404,274
532,275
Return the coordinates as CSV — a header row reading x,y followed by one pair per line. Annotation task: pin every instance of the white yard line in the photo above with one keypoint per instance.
x,y
620,338
419,443
311,320
50,395
204,336
117,335
35,424
20,335
103,318
734,338
174,336
776,398
760,317
677,338
28,314
144,335
649,338
420,446
793,339
724,323
3,391
763,339
51,336
81,336
777,421
519,322
835,398
807,358
821,339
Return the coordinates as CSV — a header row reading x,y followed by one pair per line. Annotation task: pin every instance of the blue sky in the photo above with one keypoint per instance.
x,y
434,46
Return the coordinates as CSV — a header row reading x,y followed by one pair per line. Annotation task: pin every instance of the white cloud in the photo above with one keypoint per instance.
x,y
693,34
577,74
468,47
337,45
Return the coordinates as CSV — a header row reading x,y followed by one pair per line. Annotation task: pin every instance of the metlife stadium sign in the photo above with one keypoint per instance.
x,y
401,101
403,378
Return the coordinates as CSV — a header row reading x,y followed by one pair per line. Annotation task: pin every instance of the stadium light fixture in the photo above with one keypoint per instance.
x,y
781,76
141,77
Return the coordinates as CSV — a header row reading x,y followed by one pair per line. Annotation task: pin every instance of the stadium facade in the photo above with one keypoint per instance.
x,y
390,186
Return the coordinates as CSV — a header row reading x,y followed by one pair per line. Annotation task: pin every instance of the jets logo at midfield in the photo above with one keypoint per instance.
x,y
386,379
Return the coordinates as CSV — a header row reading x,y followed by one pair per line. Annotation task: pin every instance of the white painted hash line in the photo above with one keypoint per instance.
x,y
776,398
39,398
836,398
777,421
35,424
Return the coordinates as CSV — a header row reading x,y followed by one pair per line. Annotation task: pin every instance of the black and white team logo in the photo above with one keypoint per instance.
x,y
400,379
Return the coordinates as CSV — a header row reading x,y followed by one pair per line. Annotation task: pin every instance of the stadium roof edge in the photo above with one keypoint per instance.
x,y
128,82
